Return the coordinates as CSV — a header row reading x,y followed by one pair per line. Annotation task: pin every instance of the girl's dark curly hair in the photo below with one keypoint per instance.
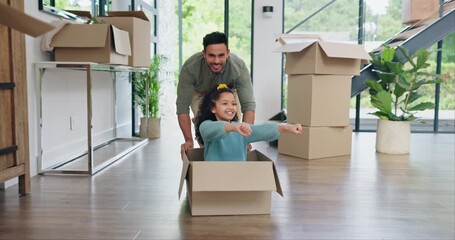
x,y
205,109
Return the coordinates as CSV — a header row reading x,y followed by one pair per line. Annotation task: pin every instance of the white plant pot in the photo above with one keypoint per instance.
x,y
393,137
153,130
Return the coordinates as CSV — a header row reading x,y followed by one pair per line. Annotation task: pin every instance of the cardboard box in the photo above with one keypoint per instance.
x,y
22,22
317,142
229,187
413,11
320,57
319,100
100,43
137,25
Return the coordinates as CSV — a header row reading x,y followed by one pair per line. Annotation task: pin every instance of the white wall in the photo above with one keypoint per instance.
x,y
266,62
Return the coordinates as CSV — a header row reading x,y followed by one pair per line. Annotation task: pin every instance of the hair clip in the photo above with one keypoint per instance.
x,y
221,86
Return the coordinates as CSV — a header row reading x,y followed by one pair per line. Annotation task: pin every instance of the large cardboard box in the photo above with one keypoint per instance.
x,y
137,25
317,142
100,43
229,187
319,100
415,10
320,57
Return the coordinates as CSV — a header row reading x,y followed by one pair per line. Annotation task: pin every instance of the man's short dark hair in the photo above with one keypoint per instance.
x,y
215,38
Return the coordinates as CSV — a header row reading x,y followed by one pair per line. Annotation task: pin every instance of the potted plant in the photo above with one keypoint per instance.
x,y
147,97
395,95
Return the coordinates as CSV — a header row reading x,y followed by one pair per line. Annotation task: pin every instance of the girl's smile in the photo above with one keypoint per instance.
x,y
225,107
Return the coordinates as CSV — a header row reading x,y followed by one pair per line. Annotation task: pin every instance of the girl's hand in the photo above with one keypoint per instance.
x,y
243,128
289,128
296,128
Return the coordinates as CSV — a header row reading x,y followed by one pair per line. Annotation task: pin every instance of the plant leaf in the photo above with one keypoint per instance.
x,y
401,86
422,55
374,86
387,54
414,96
395,67
405,53
386,77
383,102
421,106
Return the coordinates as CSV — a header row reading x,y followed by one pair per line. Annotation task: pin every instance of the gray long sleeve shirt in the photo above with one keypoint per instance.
x,y
196,76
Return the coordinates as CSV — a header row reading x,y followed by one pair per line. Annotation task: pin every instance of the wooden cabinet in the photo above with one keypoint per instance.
x,y
14,144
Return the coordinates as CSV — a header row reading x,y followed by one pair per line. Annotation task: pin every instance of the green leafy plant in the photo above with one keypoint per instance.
x,y
395,94
149,82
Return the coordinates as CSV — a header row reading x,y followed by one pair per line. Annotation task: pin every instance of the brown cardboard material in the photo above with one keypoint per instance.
x,y
22,22
83,14
284,39
317,142
415,10
100,43
229,187
320,57
137,25
319,100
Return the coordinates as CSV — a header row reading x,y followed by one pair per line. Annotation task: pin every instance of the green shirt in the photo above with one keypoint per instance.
x,y
220,145
197,76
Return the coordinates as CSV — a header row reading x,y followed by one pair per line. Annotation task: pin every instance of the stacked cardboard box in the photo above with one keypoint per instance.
x,y
319,89
137,24
413,11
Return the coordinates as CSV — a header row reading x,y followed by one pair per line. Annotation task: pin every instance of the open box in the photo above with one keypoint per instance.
x,y
319,57
137,24
229,187
100,43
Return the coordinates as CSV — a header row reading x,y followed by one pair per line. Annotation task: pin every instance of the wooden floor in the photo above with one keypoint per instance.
x,y
362,196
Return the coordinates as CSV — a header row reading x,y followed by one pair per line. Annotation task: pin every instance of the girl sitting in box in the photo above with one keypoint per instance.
x,y
224,138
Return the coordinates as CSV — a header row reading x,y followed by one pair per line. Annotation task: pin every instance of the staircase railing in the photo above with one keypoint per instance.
x,y
428,36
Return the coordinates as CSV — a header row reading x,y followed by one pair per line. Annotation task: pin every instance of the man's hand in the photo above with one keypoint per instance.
x,y
248,117
185,147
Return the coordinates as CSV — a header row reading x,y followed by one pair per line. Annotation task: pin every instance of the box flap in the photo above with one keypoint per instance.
x,y
261,157
121,41
81,35
284,39
277,182
232,176
137,14
344,50
80,13
185,167
22,22
294,47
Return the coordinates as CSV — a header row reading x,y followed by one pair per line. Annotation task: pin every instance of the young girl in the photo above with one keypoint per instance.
x,y
224,138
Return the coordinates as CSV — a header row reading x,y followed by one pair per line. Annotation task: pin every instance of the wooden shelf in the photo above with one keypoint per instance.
x,y
96,157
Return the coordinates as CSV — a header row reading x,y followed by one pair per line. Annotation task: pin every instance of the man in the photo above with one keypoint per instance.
x,y
206,69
